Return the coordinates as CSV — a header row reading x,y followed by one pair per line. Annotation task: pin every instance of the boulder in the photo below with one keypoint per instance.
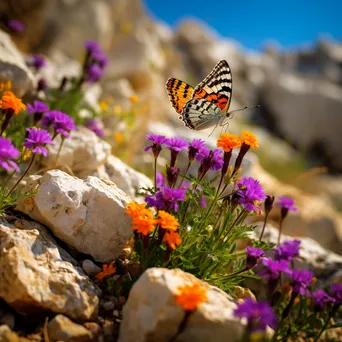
x,y
36,276
152,314
83,151
307,112
87,214
13,67
61,328
126,178
7,335
315,218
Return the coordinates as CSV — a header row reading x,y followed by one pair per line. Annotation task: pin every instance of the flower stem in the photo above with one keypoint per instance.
x,y
181,326
186,171
280,229
59,152
231,274
23,175
155,174
331,314
263,227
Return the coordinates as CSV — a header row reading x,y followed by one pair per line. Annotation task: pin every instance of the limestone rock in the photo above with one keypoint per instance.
x,y
315,218
152,314
126,178
7,335
312,255
319,125
87,214
35,277
13,67
61,328
84,150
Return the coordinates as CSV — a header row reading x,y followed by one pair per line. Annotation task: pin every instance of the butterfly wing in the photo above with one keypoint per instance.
x,y
200,114
217,87
179,93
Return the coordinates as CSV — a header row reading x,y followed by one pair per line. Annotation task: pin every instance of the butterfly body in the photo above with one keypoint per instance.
x,y
208,103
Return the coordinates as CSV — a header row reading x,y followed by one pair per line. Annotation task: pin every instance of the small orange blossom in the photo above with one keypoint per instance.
x,y
10,101
167,221
172,239
191,296
107,271
228,141
250,139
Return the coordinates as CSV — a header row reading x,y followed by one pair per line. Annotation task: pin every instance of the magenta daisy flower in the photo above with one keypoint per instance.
x,y
336,292
273,268
250,192
94,125
194,147
15,25
253,255
8,152
321,298
94,72
258,315
37,139
287,250
157,142
301,279
59,121
286,203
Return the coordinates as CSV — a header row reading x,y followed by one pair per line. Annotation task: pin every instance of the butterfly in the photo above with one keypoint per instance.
x,y
208,103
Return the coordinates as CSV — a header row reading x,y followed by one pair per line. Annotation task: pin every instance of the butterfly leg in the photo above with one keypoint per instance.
x,y
214,129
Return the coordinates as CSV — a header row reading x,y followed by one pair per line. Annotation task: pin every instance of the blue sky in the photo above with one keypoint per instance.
x,y
252,22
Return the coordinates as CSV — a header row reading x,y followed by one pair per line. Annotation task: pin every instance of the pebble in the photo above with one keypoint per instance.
x,y
90,268
108,306
8,319
116,313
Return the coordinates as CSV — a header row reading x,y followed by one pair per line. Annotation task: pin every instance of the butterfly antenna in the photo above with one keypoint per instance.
x,y
239,110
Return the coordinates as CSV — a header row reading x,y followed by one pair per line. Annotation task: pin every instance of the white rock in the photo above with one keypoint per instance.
x,y
152,314
126,178
87,214
312,255
13,67
35,277
84,150
61,328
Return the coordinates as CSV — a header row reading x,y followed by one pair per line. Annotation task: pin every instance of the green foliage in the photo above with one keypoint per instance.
x,y
9,201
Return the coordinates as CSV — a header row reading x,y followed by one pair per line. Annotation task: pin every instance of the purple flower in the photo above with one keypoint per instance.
x,y
287,250
160,180
100,58
38,62
94,125
258,315
203,203
336,292
95,73
250,192
286,203
36,140
321,298
157,141
37,107
166,198
210,159
194,147
253,255
301,279
176,144
16,25
273,268
92,46
60,122
7,152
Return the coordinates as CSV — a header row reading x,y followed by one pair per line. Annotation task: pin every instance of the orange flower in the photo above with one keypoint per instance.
x,y
167,221
249,139
107,271
228,141
191,296
172,239
143,219
10,101
134,99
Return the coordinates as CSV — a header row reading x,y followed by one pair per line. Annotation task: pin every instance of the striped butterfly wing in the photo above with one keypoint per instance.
x,y
179,93
217,87
200,114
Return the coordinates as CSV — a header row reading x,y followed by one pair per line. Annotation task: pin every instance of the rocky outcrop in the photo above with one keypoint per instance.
x,y
37,276
87,214
13,67
152,314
